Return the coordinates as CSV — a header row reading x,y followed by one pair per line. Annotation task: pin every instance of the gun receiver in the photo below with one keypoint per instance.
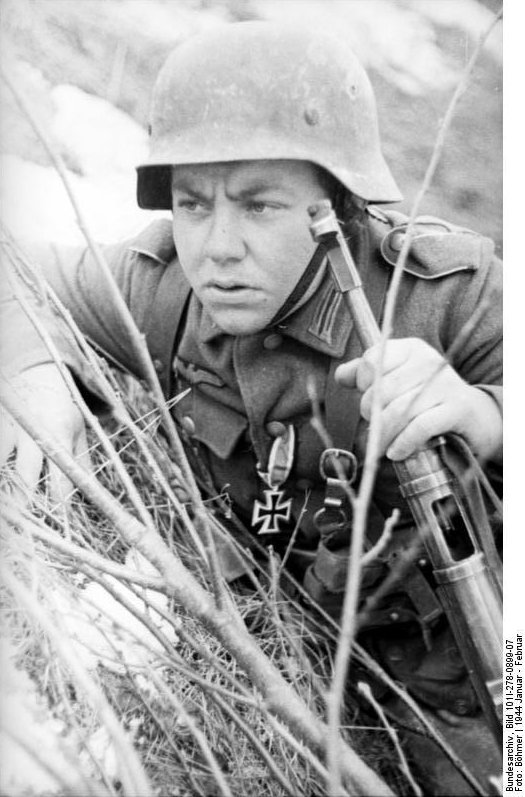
x,y
469,590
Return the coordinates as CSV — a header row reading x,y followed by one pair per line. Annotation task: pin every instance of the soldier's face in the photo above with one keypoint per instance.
x,y
241,232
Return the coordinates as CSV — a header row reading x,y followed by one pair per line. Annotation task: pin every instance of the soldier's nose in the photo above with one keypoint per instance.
x,y
224,241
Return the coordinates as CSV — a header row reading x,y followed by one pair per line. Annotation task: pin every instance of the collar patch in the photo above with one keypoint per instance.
x,y
323,322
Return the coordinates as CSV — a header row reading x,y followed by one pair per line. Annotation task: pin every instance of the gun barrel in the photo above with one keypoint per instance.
x,y
474,612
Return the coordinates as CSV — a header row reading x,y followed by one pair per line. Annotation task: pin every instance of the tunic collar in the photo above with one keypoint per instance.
x,y
323,323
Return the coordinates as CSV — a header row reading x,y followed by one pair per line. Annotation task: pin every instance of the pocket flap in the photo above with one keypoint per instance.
x,y
216,425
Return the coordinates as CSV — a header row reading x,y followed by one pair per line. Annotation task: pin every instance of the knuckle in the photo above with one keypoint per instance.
x,y
421,430
365,407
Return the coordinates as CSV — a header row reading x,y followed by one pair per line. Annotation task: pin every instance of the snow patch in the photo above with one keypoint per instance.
x,y
100,137
103,631
35,205
25,720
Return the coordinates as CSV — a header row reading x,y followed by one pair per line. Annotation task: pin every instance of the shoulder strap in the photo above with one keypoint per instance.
x,y
164,322
162,319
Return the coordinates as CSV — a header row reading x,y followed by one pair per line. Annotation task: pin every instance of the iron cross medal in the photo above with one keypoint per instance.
x,y
275,508
271,512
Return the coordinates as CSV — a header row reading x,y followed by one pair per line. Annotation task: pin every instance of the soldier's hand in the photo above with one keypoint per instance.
x,y
422,396
45,395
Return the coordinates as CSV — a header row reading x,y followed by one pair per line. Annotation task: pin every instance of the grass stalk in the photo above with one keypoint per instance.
x,y
137,341
133,778
280,699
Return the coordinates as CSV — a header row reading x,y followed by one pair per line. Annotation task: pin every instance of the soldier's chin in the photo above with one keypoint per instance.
x,y
238,321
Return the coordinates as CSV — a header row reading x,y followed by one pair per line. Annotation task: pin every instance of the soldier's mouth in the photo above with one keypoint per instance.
x,y
232,289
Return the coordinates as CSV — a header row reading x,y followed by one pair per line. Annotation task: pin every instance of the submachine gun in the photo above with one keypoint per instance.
x,y
469,580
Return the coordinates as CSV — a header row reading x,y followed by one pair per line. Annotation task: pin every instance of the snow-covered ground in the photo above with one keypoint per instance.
x,y
105,145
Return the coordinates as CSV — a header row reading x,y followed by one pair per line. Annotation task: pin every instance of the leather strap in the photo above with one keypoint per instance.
x,y
165,320
342,405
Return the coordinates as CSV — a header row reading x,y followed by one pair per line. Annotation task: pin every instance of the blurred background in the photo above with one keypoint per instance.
x,y
87,68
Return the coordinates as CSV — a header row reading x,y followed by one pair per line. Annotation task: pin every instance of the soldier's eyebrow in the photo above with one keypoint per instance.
x,y
260,186
182,184
257,188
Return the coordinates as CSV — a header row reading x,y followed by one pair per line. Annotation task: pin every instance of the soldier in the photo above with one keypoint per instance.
x,y
251,124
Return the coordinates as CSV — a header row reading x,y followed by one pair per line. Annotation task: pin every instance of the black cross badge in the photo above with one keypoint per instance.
x,y
271,512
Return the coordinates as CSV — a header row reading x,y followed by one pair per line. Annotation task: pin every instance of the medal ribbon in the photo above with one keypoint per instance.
x,y
280,460
275,509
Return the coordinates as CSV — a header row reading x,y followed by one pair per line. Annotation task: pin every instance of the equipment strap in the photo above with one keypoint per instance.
x,y
342,405
165,320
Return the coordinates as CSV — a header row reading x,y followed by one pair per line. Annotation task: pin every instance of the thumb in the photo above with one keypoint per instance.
x,y
346,374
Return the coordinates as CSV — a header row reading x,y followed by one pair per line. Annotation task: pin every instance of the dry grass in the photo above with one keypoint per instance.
x,y
197,725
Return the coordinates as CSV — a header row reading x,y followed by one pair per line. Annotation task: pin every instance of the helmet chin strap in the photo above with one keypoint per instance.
x,y
355,230
301,287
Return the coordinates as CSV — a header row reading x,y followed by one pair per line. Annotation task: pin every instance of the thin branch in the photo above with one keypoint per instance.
x,y
257,745
363,499
383,540
112,395
137,341
131,773
75,787
79,402
196,732
280,698
365,690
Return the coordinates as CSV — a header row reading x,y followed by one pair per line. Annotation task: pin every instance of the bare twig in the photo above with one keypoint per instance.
x,y
383,540
281,700
196,732
75,786
114,399
363,499
138,342
131,773
257,745
365,690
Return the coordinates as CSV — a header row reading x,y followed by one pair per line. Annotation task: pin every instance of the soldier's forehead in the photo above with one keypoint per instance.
x,y
265,174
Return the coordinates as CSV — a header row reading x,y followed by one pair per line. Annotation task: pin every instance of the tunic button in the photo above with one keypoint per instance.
x,y
158,365
461,707
188,424
275,428
272,341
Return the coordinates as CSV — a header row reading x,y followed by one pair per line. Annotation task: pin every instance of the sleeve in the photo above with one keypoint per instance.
x,y
475,336
76,278
451,296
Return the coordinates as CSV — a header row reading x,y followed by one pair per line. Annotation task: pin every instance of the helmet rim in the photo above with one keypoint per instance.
x,y
313,103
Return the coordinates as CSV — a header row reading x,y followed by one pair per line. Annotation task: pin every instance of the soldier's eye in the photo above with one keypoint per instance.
x,y
190,205
258,208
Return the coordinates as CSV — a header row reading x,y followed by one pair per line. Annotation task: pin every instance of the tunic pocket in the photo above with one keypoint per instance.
x,y
204,418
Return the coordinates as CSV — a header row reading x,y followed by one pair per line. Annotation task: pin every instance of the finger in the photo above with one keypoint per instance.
x,y
60,487
399,413
8,432
392,355
29,461
82,451
419,431
360,373
346,374
412,378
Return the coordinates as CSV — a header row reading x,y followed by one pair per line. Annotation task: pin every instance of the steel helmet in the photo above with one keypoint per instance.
x,y
258,90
